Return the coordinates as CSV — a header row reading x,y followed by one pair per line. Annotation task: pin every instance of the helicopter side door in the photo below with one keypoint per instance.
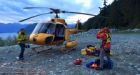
x,y
59,32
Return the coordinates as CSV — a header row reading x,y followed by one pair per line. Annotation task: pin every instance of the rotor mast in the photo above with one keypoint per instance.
x,y
56,12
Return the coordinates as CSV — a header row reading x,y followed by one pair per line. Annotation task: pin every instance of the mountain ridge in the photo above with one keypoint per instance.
x,y
121,14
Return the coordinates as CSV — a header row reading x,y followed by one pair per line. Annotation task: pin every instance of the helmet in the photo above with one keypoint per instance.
x,y
22,29
78,61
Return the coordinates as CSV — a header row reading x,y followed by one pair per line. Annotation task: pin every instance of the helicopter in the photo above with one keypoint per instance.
x,y
55,31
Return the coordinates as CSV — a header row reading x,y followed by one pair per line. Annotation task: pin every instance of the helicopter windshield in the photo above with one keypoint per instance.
x,y
45,28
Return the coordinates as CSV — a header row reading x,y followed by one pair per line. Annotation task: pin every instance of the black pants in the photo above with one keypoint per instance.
x,y
104,53
22,46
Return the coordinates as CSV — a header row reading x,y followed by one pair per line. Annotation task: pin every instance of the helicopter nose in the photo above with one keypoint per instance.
x,y
48,40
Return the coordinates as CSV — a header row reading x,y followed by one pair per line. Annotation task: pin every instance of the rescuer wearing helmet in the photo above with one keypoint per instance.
x,y
105,36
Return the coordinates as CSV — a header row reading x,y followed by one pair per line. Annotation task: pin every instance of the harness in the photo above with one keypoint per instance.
x,y
108,37
108,40
21,38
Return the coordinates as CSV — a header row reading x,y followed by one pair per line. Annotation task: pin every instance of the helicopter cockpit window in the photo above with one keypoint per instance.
x,y
38,26
45,28
50,28
59,30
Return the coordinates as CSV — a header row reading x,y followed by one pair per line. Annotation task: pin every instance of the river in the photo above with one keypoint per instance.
x,y
7,35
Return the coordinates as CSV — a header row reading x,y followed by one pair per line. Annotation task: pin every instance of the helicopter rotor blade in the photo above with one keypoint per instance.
x,y
78,13
84,14
36,8
35,16
57,10
53,9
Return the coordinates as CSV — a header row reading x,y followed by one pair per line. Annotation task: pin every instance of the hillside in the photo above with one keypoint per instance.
x,y
120,14
30,28
11,27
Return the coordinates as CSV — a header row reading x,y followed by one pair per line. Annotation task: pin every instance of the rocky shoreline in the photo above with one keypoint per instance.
x,y
126,58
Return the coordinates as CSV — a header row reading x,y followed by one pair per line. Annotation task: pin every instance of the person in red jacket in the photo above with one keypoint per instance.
x,y
105,36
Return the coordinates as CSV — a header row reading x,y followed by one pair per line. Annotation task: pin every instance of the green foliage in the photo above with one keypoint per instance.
x,y
1,42
9,41
121,14
138,26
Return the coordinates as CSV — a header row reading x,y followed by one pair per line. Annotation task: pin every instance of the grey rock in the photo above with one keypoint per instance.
x,y
138,69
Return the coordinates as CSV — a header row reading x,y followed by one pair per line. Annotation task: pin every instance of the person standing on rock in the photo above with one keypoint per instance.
x,y
105,36
21,39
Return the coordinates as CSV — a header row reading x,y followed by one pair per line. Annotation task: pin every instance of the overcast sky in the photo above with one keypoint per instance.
x,y
11,11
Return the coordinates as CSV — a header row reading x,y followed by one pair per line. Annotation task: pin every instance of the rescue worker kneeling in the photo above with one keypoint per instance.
x,y
90,50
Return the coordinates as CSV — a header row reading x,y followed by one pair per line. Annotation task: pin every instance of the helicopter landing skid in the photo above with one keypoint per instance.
x,y
39,49
66,50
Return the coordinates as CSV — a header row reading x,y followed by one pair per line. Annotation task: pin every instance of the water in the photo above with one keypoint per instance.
x,y
7,35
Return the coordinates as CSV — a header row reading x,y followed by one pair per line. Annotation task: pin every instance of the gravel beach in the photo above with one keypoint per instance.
x,y
126,58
